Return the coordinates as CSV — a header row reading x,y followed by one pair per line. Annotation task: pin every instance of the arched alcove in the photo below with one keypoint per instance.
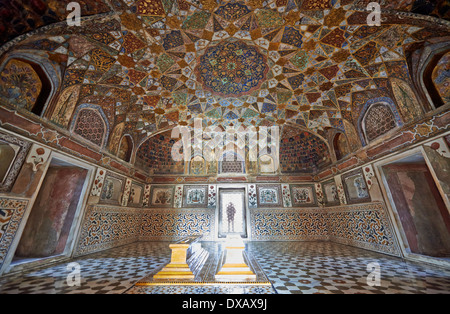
x,y
428,64
90,123
125,148
340,146
378,120
378,117
29,81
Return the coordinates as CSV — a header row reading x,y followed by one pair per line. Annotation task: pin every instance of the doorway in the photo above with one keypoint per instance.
x,y
232,212
420,208
50,228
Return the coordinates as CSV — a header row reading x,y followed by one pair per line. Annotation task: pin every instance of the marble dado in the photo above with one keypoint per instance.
x,y
361,225
105,227
168,225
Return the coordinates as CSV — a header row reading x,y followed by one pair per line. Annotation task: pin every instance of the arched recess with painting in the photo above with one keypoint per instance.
x,y
30,82
429,65
126,147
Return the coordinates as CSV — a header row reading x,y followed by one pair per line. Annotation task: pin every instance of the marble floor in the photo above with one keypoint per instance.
x,y
291,267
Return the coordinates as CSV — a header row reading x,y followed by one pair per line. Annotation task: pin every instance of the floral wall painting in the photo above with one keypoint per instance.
x,y
112,190
65,106
340,189
197,166
252,197
355,187
319,194
178,198
269,195
136,194
126,192
331,193
303,195
162,196
21,84
286,192
195,196
38,156
146,198
98,182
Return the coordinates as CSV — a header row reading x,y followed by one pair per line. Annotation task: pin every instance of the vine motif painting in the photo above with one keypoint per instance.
x,y
195,196
269,195
331,193
355,187
162,196
112,190
302,195
136,195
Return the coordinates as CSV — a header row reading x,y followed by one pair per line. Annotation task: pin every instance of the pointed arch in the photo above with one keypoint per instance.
x,y
90,123
34,83
126,146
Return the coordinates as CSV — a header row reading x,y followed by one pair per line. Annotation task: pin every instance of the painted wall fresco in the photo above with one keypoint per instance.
x,y
112,190
303,195
135,198
441,78
20,84
162,196
330,193
269,195
195,196
355,187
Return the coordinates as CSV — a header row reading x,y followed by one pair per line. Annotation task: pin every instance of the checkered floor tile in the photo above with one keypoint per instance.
x,y
291,267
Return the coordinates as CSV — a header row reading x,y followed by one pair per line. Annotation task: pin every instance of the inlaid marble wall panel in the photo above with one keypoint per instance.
x,y
106,227
364,225
167,224
11,213
287,225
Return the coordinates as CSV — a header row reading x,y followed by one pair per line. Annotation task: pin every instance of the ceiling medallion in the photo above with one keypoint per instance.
x,y
232,69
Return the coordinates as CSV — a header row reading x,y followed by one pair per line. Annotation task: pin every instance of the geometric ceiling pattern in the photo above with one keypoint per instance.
x,y
160,63
301,63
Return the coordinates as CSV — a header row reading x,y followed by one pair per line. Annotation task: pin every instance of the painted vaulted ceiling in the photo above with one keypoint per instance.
x,y
153,64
